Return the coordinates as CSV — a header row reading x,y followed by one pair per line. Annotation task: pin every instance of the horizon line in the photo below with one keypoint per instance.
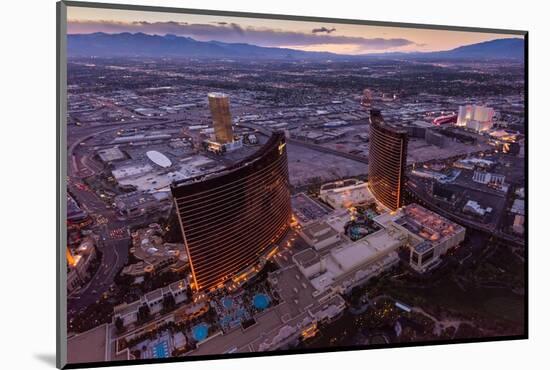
x,y
514,37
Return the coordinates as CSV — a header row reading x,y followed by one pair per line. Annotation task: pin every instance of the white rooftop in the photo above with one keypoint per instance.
x,y
158,158
145,178
369,248
364,256
217,95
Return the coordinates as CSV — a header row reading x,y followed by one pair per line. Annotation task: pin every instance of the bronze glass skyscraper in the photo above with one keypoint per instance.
x,y
221,117
387,161
229,219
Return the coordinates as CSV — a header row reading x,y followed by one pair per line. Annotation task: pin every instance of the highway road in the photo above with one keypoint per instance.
x,y
114,240
111,228
114,248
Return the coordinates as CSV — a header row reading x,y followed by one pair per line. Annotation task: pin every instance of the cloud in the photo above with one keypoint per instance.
x,y
235,27
233,32
323,29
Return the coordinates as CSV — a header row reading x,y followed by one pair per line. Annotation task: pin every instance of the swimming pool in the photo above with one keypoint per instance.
x,y
160,350
200,332
260,301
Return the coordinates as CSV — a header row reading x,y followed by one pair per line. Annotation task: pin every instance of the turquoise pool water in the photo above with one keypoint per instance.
x,y
200,332
160,350
260,301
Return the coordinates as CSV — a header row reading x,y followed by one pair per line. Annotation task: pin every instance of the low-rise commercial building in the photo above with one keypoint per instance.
x,y
154,254
319,235
110,155
488,178
139,203
77,217
518,227
427,236
472,163
431,236
307,210
518,207
346,193
475,208
79,262
155,301
353,263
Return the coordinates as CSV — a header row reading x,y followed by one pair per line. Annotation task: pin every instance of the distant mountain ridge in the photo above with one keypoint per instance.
x,y
144,45
513,48
141,44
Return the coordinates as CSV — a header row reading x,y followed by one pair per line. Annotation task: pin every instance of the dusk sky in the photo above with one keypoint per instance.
x,y
311,36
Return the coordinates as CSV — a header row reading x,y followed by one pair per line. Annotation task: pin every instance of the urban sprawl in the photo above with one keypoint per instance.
x,y
219,207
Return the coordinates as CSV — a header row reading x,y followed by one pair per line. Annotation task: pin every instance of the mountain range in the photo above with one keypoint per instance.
x,y
127,44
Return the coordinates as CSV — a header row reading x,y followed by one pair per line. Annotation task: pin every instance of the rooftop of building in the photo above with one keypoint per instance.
x,y
158,158
377,120
275,138
110,154
339,219
319,231
74,212
345,261
145,175
427,224
339,185
307,209
367,249
154,295
124,309
128,308
216,94
149,246
139,198
348,196
306,258
331,307
385,218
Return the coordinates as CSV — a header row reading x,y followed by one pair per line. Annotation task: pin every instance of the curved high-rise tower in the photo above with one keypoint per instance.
x,y
387,161
231,218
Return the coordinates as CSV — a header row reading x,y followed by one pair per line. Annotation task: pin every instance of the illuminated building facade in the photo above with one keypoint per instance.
x,y
221,117
387,161
70,258
230,219
366,100
475,117
434,236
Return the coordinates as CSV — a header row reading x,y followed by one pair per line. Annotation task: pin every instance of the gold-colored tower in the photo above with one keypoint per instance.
x,y
221,117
